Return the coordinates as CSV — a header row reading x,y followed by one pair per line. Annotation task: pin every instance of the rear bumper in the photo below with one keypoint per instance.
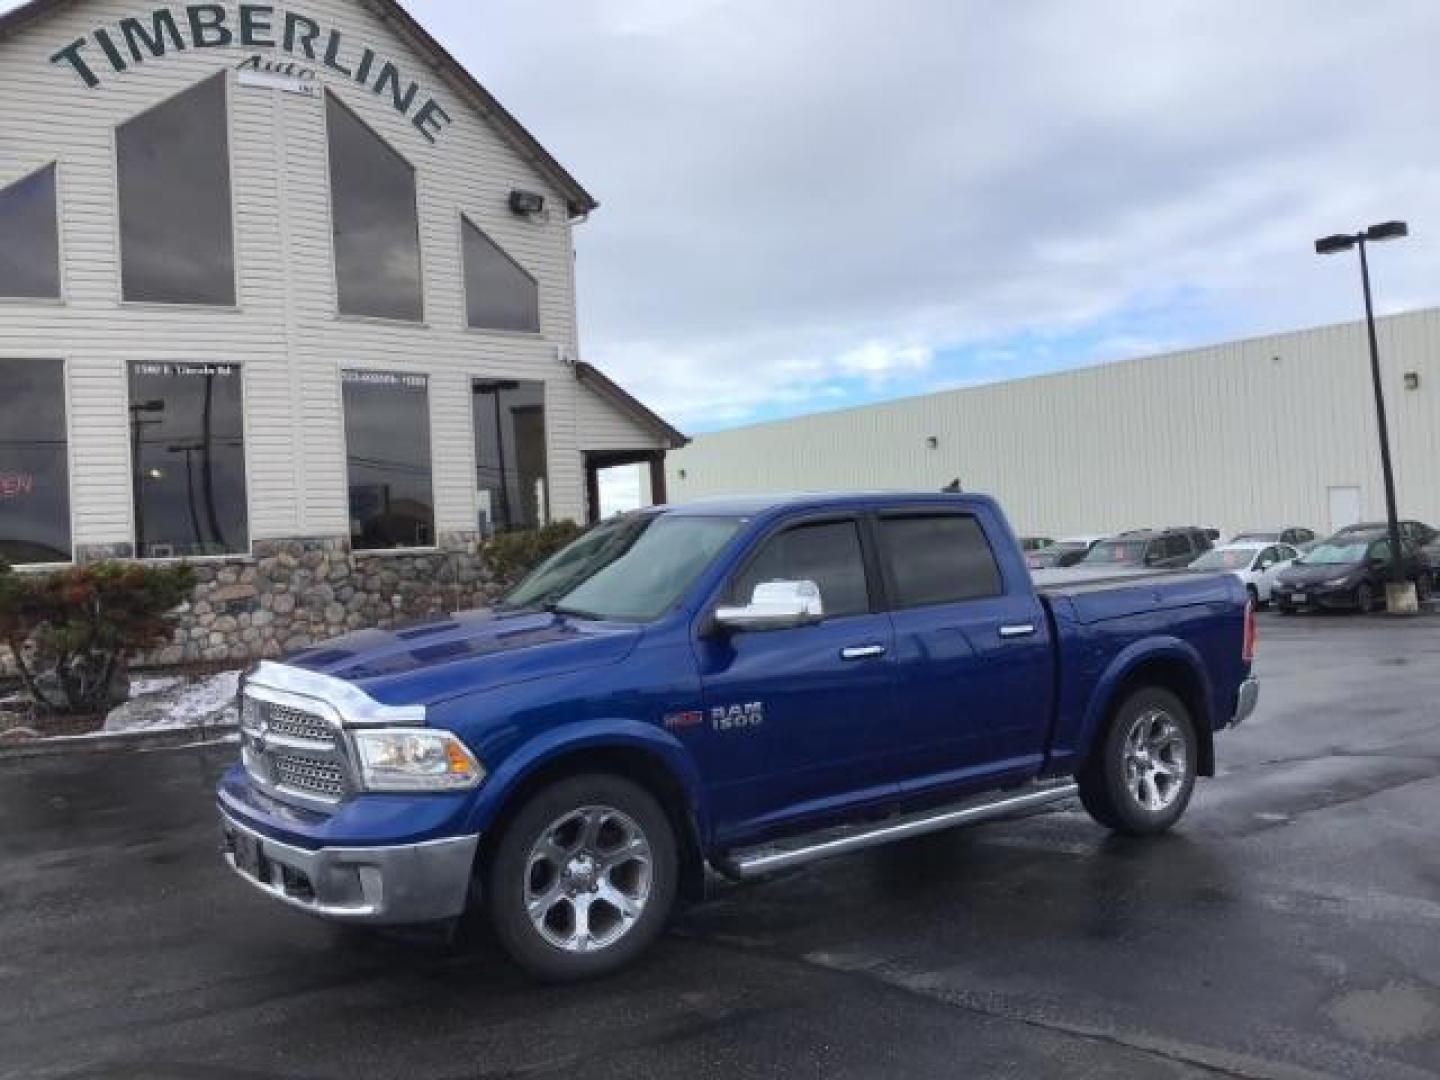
x,y
1246,701
395,885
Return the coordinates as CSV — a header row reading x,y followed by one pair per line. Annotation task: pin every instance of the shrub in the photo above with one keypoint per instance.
x,y
73,631
512,555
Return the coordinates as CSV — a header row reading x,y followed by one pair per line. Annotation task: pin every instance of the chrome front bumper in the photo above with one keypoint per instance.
x,y
1249,698
404,884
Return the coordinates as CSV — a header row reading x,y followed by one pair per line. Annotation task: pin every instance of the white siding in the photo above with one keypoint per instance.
x,y
1244,434
607,427
285,330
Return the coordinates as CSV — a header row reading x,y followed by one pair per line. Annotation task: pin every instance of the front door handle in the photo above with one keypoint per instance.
x,y
1017,630
862,652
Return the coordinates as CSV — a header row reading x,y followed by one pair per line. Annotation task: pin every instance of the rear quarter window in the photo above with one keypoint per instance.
x,y
940,559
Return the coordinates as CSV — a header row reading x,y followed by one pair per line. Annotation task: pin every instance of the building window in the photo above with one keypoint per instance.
x,y
187,448
376,226
499,294
30,238
510,454
387,446
34,470
177,243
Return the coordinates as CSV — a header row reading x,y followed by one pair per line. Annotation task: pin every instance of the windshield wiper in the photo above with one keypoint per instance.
x,y
556,608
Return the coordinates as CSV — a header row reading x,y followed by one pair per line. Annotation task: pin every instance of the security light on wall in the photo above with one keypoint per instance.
x,y
526,202
1412,380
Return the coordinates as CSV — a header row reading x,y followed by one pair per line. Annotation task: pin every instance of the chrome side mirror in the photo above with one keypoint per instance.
x,y
775,605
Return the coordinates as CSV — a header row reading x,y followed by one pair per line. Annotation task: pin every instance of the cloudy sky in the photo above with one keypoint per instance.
x,y
815,203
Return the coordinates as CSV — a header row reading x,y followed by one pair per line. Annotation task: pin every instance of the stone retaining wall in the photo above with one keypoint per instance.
x,y
288,594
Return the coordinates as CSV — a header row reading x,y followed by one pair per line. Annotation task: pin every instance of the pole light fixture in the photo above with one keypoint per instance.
x,y
1396,595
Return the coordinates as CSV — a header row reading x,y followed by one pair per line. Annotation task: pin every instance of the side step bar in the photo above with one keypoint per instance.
x,y
747,863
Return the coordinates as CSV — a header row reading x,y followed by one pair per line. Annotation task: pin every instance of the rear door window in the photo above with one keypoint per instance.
x,y
938,559
827,553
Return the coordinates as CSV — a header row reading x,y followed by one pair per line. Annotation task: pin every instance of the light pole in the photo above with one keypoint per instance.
x,y
1400,593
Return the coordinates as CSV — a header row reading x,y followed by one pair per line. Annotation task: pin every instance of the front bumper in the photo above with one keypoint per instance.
x,y
396,885
1248,698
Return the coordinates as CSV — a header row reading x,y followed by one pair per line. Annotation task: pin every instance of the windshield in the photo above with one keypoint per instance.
x,y
1224,559
1117,552
1337,554
631,568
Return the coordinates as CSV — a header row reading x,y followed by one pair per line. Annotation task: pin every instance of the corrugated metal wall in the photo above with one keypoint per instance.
x,y
1236,435
285,331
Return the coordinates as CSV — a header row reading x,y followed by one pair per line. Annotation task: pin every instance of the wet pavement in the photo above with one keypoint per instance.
x,y
1290,927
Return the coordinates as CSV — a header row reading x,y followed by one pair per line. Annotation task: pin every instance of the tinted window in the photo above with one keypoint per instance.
x,y
176,239
30,238
938,560
510,454
387,455
34,477
1177,547
499,295
829,555
187,438
377,231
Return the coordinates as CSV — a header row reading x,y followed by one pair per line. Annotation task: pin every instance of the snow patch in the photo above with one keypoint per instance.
x,y
166,704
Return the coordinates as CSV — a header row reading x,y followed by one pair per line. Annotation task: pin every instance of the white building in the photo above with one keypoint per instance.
x,y
283,289
1277,430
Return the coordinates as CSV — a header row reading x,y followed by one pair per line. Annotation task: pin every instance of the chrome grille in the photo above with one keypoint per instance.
x,y
291,723
291,751
311,776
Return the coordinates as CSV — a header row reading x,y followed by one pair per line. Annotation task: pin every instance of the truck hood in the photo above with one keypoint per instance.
x,y
427,662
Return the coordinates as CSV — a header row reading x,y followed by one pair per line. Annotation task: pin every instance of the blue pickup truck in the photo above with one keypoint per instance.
x,y
728,687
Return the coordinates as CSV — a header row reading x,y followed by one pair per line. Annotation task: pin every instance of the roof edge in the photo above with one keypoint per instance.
x,y
618,396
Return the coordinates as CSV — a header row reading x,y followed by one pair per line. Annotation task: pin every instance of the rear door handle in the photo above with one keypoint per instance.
x,y
862,652
1017,630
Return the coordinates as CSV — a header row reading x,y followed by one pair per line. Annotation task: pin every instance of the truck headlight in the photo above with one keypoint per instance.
x,y
415,759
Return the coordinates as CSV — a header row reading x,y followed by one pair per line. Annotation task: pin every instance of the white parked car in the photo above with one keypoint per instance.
x,y
1255,563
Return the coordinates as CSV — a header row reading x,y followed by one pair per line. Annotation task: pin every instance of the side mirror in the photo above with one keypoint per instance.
x,y
775,605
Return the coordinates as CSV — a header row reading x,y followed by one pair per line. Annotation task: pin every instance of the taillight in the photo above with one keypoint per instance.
x,y
1247,651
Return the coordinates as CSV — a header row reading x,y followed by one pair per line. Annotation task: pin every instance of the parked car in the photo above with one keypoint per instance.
x,y
1257,565
1156,548
744,685
1348,571
1424,537
1298,537
1035,543
1062,553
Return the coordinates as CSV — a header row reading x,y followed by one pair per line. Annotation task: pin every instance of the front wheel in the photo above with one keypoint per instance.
x,y
1364,598
1141,779
583,878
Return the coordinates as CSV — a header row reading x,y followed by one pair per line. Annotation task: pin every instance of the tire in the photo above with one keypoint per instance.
x,y
1254,595
1422,589
1142,779
1364,598
595,850
1284,609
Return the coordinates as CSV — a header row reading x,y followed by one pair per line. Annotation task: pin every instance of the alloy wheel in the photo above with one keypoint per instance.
x,y
588,879
1155,760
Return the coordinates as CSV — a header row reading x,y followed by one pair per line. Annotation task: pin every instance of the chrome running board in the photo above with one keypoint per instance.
x,y
746,863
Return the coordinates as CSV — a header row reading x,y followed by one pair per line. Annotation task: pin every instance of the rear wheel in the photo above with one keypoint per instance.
x,y
1143,776
584,878
1422,589
1364,598
1254,595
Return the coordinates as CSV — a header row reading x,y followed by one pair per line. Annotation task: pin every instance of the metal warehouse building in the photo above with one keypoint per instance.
x,y
1277,430
284,291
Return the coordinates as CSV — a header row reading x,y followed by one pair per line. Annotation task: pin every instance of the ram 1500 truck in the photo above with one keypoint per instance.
x,y
732,687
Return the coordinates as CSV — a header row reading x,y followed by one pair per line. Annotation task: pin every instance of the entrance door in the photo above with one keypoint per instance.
x,y
1345,507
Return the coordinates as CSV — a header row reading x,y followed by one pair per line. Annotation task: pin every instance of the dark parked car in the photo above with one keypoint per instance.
x,y
1424,537
1035,543
1294,535
1348,571
1157,548
1062,553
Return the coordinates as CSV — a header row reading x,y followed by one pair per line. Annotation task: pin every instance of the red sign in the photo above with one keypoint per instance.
x,y
13,485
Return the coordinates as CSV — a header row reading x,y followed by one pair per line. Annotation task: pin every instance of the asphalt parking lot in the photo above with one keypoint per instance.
x,y
1290,927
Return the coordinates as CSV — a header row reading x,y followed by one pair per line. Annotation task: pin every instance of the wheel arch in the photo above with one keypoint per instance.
x,y
1172,665
647,757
